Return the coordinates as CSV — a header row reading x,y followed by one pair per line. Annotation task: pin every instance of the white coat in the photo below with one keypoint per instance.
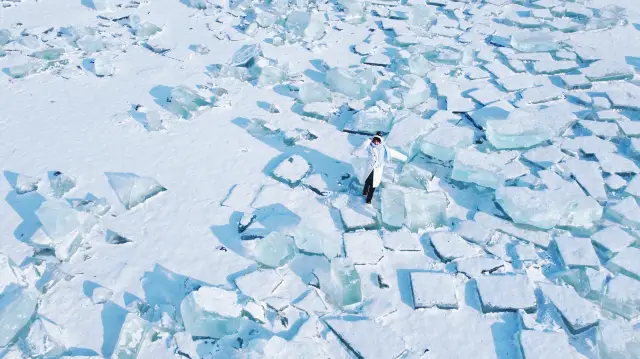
x,y
377,157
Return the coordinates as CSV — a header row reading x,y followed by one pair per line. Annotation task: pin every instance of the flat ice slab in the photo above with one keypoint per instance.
x,y
259,284
626,262
402,240
546,345
500,293
577,252
363,247
612,240
361,217
578,313
292,170
474,267
378,342
449,246
433,289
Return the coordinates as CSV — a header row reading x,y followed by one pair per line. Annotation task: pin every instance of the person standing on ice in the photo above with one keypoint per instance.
x,y
377,155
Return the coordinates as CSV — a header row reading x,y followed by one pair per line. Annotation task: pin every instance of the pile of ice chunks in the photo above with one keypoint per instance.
x,y
501,184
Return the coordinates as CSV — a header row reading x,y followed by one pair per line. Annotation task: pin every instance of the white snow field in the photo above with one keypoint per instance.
x,y
181,179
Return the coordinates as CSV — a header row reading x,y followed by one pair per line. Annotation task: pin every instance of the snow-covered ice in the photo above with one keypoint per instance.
x,y
449,246
612,240
576,251
541,345
578,313
506,293
364,247
179,178
626,262
434,289
210,312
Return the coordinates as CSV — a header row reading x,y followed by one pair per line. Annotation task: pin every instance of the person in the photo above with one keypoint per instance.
x,y
377,155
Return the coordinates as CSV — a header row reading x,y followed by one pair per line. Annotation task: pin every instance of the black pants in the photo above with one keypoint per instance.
x,y
368,188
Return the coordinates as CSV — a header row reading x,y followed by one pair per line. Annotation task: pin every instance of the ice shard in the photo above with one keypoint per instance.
x,y
132,334
184,101
521,129
344,287
534,41
313,92
480,168
443,142
45,340
61,183
246,55
425,209
25,184
66,226
17,308
393,206
274,250
211,312
132,189
350,82
370,121
292,170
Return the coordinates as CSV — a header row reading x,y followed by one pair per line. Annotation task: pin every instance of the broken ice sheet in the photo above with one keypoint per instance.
x,y
545,156
405,132
274,250
604,70
370,121
355,83
132,189
22,183
184,101
45,339
211,312
313,92
541,345
292,170
474,267
476,167
65,226
392,206
17,308
363,247
578,313
618,339
379,342
425,209
344,286
402,240
132,334
246,55
312,240
443,142
61,183
358,218
449,246
612,240
115,238
626,262
433,289
259,284
508,292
